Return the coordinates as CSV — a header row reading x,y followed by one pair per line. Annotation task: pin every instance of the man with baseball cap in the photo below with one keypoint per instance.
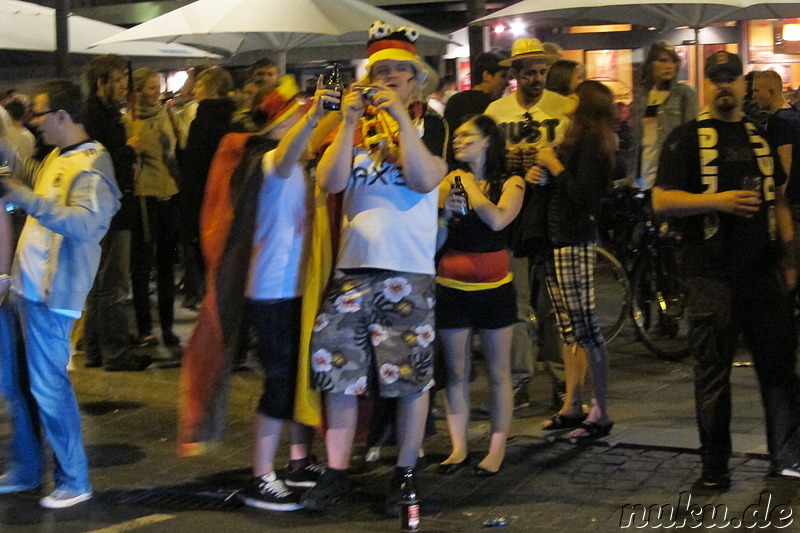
x,y
720,173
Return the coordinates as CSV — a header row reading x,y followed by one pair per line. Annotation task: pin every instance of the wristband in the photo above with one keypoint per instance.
x,y
5,277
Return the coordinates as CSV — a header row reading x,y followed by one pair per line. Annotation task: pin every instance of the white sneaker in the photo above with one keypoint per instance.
x,y
62,498
790,471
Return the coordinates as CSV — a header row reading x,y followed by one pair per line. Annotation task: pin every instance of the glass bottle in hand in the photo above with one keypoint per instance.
x,y
457,201
334,83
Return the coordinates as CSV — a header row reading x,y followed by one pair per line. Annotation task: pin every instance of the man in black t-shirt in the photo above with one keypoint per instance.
x,y
720,173
489,80
783,134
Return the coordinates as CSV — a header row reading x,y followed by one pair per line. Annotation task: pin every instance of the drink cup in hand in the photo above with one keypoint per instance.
x,y
514,160
529,156
751,183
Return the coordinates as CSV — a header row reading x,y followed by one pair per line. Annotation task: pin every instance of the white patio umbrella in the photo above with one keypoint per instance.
x,y
27,26
332,27
661,15
650,13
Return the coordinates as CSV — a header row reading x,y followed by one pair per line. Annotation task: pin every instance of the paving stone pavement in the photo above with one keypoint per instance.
x,y
547,484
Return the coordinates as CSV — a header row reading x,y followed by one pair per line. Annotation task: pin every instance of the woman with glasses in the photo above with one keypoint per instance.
x,y
474,289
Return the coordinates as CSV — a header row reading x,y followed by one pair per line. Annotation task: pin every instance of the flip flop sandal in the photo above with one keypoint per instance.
x,y
558,422
593,430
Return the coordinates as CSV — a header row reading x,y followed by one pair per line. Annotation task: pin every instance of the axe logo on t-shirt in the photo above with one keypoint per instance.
x,y
366,171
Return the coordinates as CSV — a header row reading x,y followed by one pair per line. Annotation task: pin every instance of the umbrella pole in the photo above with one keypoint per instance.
x,y
697,69
281,61
62,39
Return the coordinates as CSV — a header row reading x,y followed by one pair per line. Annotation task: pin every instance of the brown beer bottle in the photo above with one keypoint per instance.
x,y
334,83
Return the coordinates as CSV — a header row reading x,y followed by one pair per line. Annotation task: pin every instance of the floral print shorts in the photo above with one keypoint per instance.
x,y
375,333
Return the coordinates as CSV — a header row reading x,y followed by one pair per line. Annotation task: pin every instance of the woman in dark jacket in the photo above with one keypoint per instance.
x,y
581,173
213,121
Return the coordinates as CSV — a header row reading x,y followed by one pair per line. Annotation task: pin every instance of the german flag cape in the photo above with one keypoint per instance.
x,y
227,227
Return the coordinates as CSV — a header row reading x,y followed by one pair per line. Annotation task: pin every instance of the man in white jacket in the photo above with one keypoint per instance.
x,y
70,205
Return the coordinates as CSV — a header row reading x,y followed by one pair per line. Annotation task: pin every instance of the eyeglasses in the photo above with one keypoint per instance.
x,y
43,113
464,135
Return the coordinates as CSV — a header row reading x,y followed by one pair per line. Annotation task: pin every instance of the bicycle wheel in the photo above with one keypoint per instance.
x,y
612,292
658,309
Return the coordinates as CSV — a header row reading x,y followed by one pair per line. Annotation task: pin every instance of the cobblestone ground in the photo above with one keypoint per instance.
x,y
546,485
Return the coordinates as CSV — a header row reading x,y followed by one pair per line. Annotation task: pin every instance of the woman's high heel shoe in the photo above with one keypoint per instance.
x,y
447,469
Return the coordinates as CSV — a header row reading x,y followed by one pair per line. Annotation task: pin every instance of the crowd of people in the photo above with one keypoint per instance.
x,y
358,240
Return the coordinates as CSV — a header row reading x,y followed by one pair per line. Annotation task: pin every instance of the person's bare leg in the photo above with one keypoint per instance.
x,y
497,350
457,344
300,445
266,437
412,412
575,367
342,411
598,362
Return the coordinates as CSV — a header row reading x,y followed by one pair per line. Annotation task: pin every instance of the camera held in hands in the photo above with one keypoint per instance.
x,y
368,94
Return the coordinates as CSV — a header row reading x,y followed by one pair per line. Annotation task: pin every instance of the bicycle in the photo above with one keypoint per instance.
x,y
648,253
612,290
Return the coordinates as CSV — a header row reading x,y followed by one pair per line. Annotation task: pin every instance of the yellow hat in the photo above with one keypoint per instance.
x,y
526,49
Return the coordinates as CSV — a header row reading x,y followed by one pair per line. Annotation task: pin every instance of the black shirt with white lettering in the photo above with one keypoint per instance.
x,y
716,244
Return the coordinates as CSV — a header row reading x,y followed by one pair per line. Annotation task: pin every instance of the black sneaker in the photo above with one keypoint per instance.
x,y
713,483
170,339
145,340
332,488
94,362
269,492
131,363
303,477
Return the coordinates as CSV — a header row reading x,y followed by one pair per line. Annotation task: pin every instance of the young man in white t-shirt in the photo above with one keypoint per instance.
x,y
274,293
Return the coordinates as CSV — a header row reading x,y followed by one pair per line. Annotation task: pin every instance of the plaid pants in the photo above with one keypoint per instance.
x,y
570,281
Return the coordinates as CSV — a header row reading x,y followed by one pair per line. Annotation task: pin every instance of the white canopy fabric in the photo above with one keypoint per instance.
x,y
660,15
271,25
27,26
